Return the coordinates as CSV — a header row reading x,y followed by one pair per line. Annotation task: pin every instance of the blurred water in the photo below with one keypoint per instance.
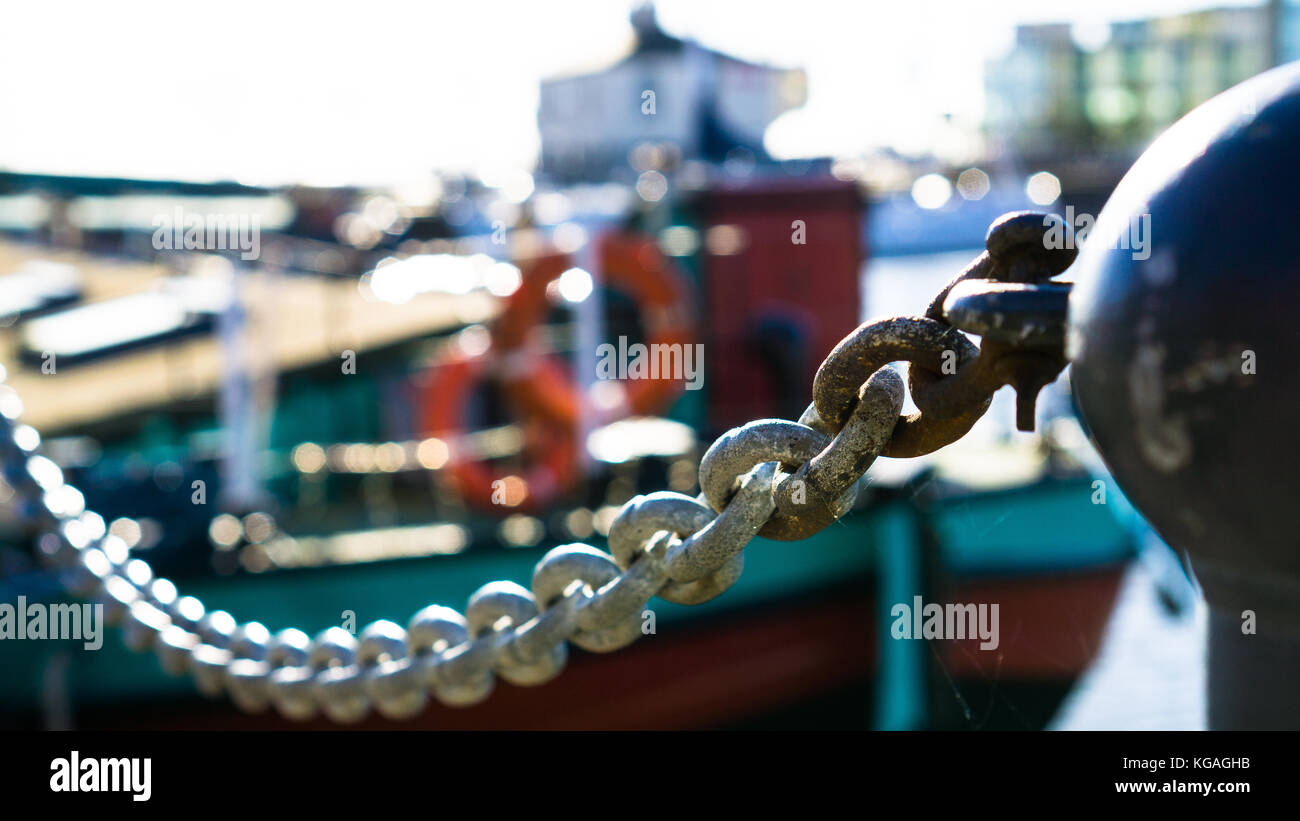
x,y
904,285
1150,673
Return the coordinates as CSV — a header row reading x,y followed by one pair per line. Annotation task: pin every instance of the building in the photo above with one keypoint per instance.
x,y
1054,95
1288,28
673,97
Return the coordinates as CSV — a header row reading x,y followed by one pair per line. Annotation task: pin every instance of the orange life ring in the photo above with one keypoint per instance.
x,y
550,450
540,383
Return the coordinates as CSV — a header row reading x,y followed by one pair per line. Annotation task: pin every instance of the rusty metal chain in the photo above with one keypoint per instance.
x,y
775,478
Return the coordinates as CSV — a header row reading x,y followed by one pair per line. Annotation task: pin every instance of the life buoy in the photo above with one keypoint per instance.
x,y
540,383
549,450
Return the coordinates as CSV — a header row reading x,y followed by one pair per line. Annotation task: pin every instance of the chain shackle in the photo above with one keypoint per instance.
x,y
1005,297
1020,246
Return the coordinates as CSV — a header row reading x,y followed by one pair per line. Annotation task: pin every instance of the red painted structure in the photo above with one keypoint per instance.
x,y
781,265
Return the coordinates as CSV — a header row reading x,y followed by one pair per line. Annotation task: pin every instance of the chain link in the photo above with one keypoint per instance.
x,y
774,478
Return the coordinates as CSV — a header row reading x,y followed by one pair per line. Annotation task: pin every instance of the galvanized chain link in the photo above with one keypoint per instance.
x,y
772,477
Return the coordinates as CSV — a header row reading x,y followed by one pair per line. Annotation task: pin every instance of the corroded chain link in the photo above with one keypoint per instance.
x,y
775,478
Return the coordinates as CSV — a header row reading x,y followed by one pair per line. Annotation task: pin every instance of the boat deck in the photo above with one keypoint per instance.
x,y
315,318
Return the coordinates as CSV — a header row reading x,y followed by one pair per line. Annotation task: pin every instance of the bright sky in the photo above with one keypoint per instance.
x,y
378,91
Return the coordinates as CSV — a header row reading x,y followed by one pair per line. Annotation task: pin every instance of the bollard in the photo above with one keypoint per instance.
x,y
1185,371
